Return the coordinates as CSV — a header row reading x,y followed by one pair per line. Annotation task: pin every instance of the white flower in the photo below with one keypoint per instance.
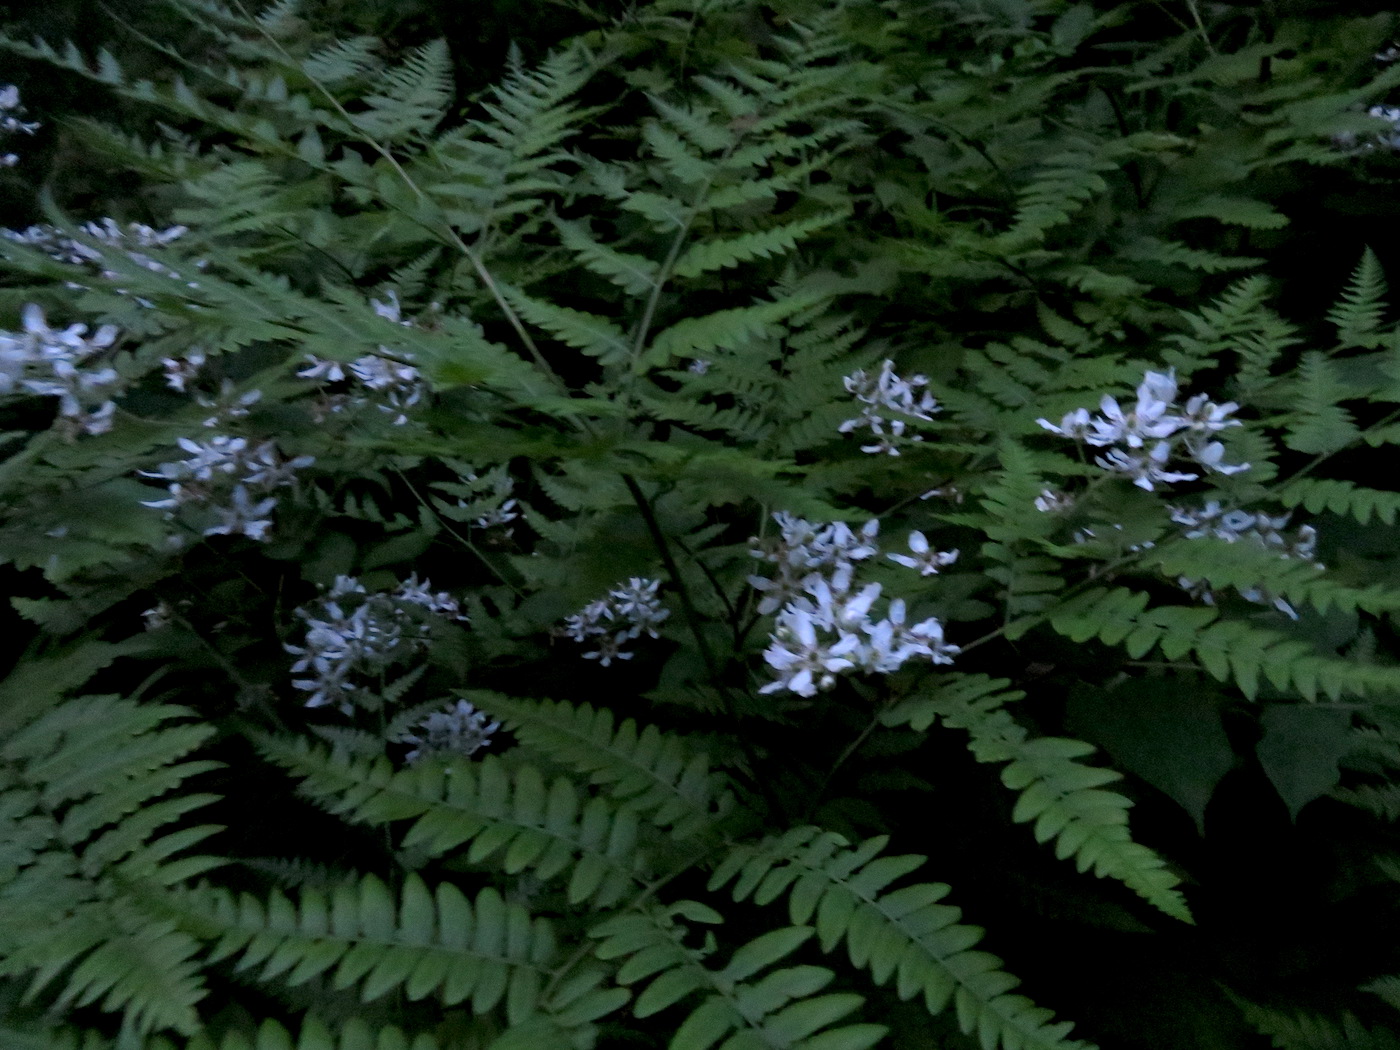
x,y
806,547
390,311
244,517
9,104
1237,525
158,616
179,371
803,662
351,632
927,560
320,368
228,405
58,245
224,466
1051,501
460,729
57,363
887,392
1209,456
442,603
608,623
1204,416
1141,441
1143,469
826,623
1076,425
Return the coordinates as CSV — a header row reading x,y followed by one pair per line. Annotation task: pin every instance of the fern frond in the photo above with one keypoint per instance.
x,y
343,61
596,336
677,156
639,766
85,791
1320,424
1380,800
314,1034
1347,498
727,329
499,167
485,806
1158,252
726,252
1295,1031
1065,182
1238,324
904,934
1061,795
634,274
1357,316
413,97
1030,583
1229,650
430,941
781,1010
1234,211
1245,565
744,424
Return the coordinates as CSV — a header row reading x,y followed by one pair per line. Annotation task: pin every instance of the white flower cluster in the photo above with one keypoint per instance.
x,y
887,392
460,729
203,480
1143,439
10,124
806,549
1386,138
496,508
135,241
400,386
824,624
228,404
52,363
613,621
351,632
1054,501
1234,526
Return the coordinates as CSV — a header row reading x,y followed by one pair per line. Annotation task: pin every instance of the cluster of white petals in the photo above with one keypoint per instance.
x,y
805,548
1387,138
824,625
1144,439
495,508
459,729
58,363
351,633
136,241
10,124
228,403
1054,501
926,558
1236,526
397,386
887,392
230,477
611,622
830,630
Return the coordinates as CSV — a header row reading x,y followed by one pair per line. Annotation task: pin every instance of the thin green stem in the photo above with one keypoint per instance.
x,y
1195,10
694,623
465,541
845,756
